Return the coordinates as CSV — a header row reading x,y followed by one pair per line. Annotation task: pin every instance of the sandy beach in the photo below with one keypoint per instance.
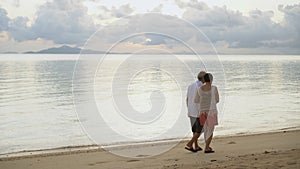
x,y
268,150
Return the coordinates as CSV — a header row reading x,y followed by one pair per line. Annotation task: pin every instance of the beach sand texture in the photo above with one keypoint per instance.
x,y
268,150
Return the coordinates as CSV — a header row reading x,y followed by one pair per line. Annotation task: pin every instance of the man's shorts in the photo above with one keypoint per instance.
x,y
195,124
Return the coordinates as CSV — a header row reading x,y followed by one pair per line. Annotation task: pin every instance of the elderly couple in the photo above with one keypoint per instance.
x,y
202,98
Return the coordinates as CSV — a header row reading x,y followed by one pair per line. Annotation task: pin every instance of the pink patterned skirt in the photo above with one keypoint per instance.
x,y
209,118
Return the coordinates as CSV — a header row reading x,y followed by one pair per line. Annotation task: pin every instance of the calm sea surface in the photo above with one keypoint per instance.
x,y
49,101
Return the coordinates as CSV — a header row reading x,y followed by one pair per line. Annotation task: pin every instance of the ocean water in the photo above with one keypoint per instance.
x,y
50,101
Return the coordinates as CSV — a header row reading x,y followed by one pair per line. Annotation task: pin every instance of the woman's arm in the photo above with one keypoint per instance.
x,y
187,102
217,95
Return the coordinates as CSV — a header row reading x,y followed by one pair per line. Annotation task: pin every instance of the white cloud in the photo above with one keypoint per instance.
x,y
157,9
3,37
114,12
10,45
3,20
291,24
68,22
149,31
240,31
63,21
19,30
122,11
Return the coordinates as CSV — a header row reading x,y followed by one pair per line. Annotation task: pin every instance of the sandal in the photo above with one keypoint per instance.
x,y
209,151
198,149
190,149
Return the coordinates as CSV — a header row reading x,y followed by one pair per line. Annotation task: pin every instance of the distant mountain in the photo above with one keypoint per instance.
x,y
9,53
64,50
75,50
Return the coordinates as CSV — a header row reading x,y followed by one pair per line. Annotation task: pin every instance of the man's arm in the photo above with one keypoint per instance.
x,y
197,97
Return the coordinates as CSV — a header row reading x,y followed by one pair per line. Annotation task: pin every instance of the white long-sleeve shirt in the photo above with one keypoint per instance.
x,y
193,108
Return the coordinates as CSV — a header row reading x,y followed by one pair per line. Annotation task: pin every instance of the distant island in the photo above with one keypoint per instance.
x,y
75,50
65,50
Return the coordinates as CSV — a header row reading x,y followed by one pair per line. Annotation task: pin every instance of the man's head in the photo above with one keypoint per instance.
x,y
201,76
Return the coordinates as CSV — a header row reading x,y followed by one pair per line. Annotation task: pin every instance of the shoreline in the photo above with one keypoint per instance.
x,y
76,149
266,150
64,150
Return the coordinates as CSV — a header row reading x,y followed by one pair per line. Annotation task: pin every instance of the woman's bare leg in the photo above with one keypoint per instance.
x,y
208,135
207,143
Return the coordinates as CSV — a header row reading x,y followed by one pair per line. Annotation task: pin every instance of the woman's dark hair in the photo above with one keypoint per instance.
x,y
208,77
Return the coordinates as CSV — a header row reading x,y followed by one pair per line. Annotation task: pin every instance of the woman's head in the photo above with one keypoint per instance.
x,y
208,77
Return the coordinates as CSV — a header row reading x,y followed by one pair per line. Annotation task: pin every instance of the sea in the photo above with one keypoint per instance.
x,y
50,101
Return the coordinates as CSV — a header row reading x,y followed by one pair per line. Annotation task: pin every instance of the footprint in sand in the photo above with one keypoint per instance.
x,y
171,159
141,155
129,161
291,163
100,162
231,142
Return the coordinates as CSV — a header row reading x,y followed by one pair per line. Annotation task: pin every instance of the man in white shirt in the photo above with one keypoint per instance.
x,y
193,113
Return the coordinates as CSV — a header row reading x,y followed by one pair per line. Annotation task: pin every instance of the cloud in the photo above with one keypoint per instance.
x,y
63,21
151,30
19,30
291,24
158,9
68,22
122,11
239,31
155,40
10,45
3,20
222,26
3,37
16,3
113,12
192,4
256,30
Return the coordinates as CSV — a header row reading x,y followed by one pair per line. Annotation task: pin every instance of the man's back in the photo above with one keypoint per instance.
x,y
193,108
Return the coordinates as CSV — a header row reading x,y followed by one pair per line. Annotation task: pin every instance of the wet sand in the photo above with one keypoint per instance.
x,y
268,150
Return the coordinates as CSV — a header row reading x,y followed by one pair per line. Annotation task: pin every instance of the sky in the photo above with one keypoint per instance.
x,y
229,26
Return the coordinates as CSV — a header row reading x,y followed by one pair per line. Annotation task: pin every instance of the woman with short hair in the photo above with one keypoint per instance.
x,y
208,97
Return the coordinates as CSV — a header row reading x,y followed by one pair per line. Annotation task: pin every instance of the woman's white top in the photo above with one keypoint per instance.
x,y
207,99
